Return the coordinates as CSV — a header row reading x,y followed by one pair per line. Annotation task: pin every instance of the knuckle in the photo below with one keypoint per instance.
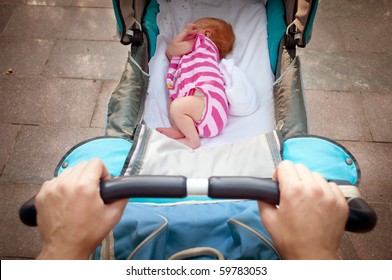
x,y
295,188
331,201
83,188
285,163
96,161
318,191
301,166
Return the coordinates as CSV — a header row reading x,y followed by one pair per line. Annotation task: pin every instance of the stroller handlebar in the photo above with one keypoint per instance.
x,y
362,218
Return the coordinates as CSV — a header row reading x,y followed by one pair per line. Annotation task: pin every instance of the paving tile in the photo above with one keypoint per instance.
x,y
93,3
377,244
357,38
39,149
326,35
24,57
346,249
48,2
5,14
337,115
87,60
375,161
16,239
379,114
70,23
8,134
357,8
101,109
61,102
11,2
346,71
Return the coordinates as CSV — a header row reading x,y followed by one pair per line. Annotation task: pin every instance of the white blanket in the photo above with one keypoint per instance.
x,y
248,65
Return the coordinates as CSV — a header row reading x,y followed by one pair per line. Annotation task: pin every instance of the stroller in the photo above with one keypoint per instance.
x,y
201,203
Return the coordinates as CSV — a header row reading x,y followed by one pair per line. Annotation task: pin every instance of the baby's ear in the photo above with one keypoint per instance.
x,y
207,33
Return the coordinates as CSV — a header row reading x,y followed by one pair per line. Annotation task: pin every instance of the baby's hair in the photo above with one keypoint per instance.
x,y
222,34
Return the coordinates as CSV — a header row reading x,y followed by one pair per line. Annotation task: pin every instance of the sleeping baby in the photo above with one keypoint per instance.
x,y
199,106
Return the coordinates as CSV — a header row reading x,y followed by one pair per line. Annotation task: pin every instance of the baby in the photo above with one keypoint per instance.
x,y
199,106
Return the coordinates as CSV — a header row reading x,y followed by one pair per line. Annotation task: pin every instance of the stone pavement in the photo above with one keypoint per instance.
x,y
61,60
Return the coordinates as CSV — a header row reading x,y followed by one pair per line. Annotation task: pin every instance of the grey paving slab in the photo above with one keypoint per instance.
x,y
377,244
8,136
38,100
357,8
326,35
93,3
337,115
39,149
347,71
379,114
11,2
87,60
62,22
5,14
24,57
16,239
375,160
346,249
359,37
101,108
48,2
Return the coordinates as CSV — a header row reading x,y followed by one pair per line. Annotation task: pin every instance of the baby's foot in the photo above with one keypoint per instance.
x,y
194,144
171,132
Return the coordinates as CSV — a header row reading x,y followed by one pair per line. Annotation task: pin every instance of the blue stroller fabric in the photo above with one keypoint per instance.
x,y
322,155
153,232
112,151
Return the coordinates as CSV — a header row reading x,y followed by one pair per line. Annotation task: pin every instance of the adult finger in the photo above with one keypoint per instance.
x,y
286,175
305,176
322,183
93,171
268,213
100,168
66,172
115,210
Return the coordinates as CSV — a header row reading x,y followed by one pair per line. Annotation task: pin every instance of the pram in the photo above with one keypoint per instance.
x,y
169,215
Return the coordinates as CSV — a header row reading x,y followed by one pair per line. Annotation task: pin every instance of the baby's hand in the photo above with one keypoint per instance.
x,y
190,29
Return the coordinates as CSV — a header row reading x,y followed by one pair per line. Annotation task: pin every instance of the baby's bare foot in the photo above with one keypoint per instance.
x,y
194,144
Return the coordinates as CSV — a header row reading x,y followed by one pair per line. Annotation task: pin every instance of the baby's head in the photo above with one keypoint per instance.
x,y
220,32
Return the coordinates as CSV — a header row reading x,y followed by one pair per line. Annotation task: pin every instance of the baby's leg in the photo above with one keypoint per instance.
x,y
184,112
172,132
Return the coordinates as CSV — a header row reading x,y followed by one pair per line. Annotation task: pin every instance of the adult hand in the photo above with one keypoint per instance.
x,y
310,219
71,216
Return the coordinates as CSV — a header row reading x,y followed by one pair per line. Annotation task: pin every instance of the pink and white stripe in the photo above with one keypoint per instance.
x,y
199,69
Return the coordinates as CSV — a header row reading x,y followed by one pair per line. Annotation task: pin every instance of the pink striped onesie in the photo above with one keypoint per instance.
x,y
199,70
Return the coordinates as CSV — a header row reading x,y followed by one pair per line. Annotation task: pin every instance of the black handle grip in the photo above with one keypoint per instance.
x,y
244,188
143,186
28,213
362,218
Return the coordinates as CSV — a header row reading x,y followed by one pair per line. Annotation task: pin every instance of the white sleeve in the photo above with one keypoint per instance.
x,y
243,99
